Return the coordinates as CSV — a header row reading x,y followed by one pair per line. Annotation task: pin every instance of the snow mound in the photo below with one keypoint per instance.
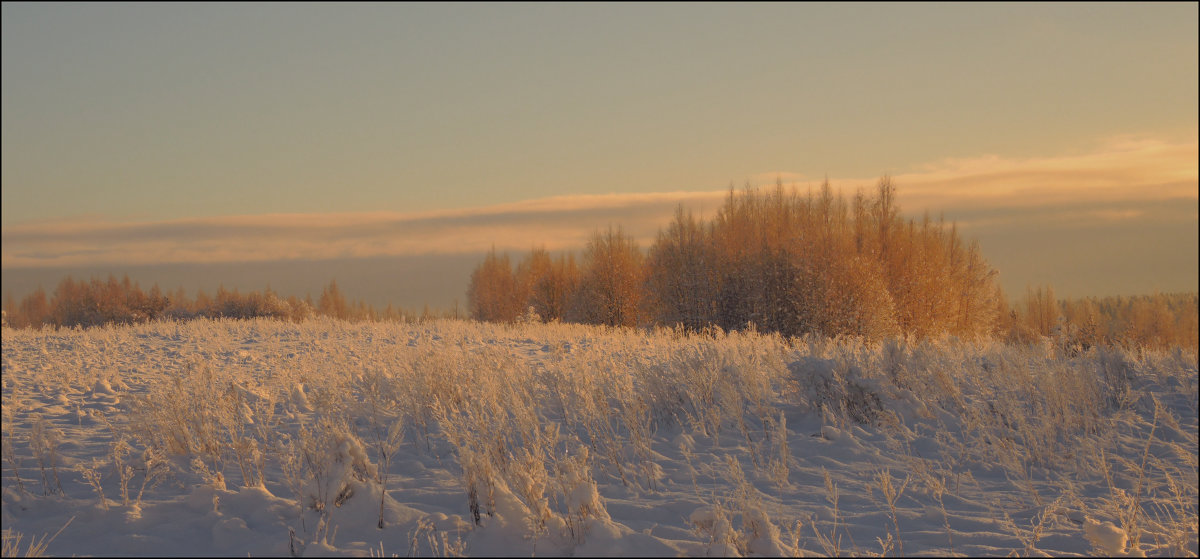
x,y
1105,537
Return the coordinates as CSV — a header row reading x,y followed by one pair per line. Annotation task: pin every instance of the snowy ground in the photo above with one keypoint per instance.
x,y
328,438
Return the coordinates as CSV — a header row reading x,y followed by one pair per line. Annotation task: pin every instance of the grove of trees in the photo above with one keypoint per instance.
x,y
778,260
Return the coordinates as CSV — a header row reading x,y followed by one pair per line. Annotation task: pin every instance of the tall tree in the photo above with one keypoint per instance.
x,y
492,294
332,302
553,281
681,274
611,281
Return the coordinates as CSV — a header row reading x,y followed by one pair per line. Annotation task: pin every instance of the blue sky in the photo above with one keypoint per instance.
x,y
136,134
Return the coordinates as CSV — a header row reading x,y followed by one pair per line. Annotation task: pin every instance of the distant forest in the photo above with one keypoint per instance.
x,y
98,302
774,260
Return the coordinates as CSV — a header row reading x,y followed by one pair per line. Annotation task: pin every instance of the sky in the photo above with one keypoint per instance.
x,y
389,145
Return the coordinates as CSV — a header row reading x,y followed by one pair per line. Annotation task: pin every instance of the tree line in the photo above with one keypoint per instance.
x,y
779,260
771,259
111,301
1160,320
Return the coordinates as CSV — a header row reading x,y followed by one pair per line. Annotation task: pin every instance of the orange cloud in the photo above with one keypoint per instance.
x,y
1120,170
557,223
989,190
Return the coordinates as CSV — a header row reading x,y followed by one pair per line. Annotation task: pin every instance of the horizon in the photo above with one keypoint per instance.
x,y
405,280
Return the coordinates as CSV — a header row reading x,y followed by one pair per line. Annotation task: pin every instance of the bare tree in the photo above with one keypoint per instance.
x,y
492,294
681,272
611,282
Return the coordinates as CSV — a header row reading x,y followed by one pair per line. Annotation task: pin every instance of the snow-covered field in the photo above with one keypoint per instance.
x,y
443,438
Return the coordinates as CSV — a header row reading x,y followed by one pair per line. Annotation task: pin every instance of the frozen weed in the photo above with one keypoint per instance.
x,y
891,494
438,542
831,543
36,548
43,442
92,476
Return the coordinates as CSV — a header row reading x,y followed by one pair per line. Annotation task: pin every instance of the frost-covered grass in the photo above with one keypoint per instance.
x,y
449,438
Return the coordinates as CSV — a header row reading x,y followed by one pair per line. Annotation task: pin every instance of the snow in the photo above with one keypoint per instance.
x,y
217,438
1106,538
